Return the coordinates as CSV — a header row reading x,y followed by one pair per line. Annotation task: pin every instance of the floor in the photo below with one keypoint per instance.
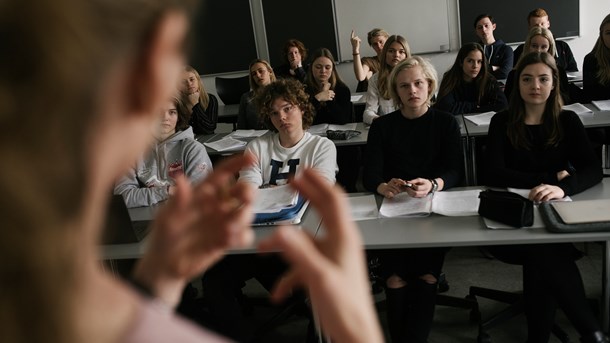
x,y
464,267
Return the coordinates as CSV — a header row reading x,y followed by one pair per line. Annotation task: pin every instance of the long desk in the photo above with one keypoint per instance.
x,y
358,140
442,231
476,132
134,250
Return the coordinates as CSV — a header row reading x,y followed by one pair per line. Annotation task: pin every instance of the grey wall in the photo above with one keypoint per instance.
x,y
591,14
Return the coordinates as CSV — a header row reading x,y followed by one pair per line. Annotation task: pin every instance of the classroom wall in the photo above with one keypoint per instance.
x,y
591,14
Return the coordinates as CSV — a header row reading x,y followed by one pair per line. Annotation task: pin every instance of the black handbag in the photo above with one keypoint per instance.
x,y
341,135
506,207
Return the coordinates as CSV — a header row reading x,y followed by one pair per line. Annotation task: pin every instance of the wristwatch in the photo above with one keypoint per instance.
x,y
434,185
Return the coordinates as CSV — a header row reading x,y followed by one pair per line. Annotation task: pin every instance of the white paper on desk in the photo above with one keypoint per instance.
x,y
481,119
247,133
526,193
337,127
355,98
274,199
320,129
579,109
226,143
456,203
404,205
363,207
602,105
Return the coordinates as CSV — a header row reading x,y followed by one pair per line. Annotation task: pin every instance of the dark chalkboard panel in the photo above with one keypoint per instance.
x,y
312,22
223,37
511,18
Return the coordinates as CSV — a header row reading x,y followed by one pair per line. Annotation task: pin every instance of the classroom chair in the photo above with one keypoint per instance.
x,y
230,90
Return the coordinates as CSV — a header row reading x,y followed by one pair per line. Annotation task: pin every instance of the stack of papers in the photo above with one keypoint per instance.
x,y
363,207
451,203
321,128
275,199
356,98
227,143
579,109
602,105
247,133
481,119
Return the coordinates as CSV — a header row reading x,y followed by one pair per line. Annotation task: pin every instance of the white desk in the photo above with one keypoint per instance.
x,y
441,231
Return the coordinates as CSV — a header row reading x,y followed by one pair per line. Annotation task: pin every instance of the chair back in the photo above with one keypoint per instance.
x,y
230,90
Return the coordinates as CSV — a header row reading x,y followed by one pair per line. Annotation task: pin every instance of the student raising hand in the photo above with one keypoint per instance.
x,y
193,230
331,268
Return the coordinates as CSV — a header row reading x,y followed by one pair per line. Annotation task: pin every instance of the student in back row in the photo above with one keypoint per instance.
x,y
365,67
499,56
378,99
295,54
202,106
469,87
563,54
261,74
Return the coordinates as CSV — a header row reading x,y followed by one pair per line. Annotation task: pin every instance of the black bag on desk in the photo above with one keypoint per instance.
x,y
506,207
341,135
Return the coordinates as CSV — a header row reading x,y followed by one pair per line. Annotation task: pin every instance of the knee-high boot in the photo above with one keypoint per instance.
x,y
396,313
420,310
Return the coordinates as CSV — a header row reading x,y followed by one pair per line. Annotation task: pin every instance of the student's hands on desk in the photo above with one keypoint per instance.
x,y
193,230
331,268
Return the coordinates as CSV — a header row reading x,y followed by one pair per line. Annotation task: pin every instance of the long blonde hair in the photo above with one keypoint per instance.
x,y
204,98
61,53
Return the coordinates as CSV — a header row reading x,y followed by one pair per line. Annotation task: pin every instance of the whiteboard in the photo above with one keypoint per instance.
x,y
425,24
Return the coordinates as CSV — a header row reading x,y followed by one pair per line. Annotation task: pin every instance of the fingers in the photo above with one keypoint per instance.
x,y
353,34
298,248
329,201
546,193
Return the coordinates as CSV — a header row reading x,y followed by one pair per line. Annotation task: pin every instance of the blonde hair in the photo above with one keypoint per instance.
x,y
543,32
412,62
253,85
204,98
376,32
56,67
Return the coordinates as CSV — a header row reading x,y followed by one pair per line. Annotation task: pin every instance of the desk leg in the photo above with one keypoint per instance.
x,y
606,288
466,156
473,160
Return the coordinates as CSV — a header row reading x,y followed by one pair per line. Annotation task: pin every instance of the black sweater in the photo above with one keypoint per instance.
x,y
204,121
427,147
336,111
521,168
591,86
463,99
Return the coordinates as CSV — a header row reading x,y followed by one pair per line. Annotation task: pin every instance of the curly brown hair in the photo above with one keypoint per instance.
x,y
290,90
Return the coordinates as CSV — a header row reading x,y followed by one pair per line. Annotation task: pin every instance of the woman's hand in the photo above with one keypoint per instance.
x,y
331,268
392,188
420,187
355,41
191,99
545,193
326,94
195,228
562,175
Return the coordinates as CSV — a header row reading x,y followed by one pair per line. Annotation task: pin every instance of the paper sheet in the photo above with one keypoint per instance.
x,y
363,207
226,143
602,105
247,133
274,199
579,109
456,203
481,119
403,205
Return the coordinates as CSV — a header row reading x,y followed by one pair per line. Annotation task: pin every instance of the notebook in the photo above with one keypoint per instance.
x,y
586,211
290,215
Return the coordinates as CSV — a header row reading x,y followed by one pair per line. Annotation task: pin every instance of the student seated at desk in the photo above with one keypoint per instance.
x,y
261,74
468,86
202,106
330,97
284,107
596,66
365,67
415,149
499,56
540,39
538,146
378,100
295,54
563,54
175,153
